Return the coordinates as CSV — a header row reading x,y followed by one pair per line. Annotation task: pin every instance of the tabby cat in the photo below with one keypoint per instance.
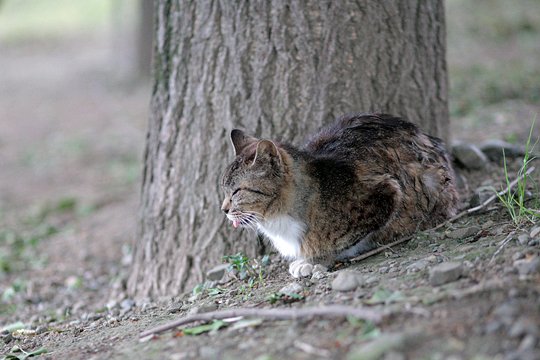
x,y
363,181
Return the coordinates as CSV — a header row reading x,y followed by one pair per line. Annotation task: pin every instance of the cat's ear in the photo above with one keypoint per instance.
x,y
240,140
266,148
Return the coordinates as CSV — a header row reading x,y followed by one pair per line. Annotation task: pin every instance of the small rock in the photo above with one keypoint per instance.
x,y
384,344
528,266
7,338
506,312
469,156
112,304
345,281
493,149
523,327
320,268
528,343
518,256
127,304
463,233
370,281
417,266
488,224
535,231
202,309
94,317
42,329
318,275
174,309
493,326
217,273
523,239
444,273
292,288
480,195
533,242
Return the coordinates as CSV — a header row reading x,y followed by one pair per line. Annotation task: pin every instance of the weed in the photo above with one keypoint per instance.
x,y
515,201
284,298
251,271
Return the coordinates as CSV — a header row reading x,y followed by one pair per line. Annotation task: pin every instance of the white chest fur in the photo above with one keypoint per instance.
x,y
286,234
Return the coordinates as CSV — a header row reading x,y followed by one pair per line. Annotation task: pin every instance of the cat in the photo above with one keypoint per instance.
x,y
363,181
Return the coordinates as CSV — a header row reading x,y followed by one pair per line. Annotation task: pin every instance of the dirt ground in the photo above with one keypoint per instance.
x,y
72,132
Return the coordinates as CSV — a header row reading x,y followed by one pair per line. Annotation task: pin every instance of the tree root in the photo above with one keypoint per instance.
x,y
331,311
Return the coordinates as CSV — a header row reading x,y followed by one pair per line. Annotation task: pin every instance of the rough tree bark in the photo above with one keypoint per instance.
x,y
277,69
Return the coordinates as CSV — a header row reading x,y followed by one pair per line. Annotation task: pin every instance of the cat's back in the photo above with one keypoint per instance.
x,y
361,132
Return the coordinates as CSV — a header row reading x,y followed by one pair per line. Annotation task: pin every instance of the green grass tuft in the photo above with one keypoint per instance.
x,y
515,201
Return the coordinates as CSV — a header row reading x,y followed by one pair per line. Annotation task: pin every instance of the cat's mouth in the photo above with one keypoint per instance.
x,y
238,222
244,220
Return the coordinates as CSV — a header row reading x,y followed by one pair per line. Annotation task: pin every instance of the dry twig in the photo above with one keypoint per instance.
x,y
449,221
501,246
272,314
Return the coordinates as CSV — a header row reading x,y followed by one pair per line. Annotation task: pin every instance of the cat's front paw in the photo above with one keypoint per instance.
x,y
300,268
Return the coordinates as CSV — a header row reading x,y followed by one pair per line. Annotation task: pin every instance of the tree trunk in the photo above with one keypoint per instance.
x,y
277,69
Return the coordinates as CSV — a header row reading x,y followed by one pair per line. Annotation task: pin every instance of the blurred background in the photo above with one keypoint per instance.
x,y
74,96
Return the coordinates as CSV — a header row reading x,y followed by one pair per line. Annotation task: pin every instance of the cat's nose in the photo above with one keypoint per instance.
x,y
225,206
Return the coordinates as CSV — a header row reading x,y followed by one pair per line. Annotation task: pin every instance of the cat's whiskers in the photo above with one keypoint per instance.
x,y
247,219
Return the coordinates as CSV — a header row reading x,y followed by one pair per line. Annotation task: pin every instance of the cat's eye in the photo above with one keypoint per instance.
x,y
235,191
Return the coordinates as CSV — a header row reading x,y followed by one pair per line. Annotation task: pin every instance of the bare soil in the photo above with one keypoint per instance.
x,y
71,140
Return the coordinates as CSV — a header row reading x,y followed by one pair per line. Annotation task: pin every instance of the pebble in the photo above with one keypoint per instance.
x,y
480,195
493,326
174,309
371,281
493,149
94,317
528,266
528,343
518,256
523,326
202,309
533,242
42,329
444,273
469,156
506,312
217,273
523,239
292,288
463,233
345,281
112,304
127,304
535,231
7,338
417,266
318,275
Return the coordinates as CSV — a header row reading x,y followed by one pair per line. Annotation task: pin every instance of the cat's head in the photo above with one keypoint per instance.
x,y
256,182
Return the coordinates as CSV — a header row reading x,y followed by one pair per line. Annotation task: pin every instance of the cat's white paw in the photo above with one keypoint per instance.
x,y
300,268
